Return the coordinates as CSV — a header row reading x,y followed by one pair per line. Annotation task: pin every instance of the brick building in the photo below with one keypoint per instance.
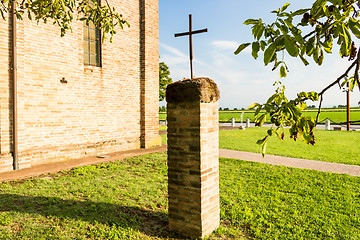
x,y
75,96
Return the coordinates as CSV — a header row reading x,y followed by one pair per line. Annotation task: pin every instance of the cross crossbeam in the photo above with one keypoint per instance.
x,y
190,33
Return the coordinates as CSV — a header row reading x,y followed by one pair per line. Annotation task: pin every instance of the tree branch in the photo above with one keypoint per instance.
x,y
107,3
308,35
319,110
355,63
356,76
341,77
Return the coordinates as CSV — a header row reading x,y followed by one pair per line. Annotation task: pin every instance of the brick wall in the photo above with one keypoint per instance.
x,y
98,110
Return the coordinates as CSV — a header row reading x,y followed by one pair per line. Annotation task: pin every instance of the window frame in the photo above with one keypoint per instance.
x,y
87,40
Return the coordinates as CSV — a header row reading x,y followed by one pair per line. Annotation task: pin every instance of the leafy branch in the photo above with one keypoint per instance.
x,y
61,13
305,33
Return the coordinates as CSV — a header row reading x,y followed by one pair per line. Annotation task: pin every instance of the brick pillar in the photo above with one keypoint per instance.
x,y
193,156
149,66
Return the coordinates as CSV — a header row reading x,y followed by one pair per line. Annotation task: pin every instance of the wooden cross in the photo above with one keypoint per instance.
x,y
190,33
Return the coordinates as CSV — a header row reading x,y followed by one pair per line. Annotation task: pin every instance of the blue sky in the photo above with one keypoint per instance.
x,y
241,79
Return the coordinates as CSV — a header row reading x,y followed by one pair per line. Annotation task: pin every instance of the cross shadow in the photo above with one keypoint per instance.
x,y
149,222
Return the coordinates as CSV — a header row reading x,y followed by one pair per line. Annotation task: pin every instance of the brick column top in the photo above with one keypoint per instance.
x,y
201,89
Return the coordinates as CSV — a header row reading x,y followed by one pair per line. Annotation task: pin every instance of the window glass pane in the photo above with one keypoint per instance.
x,y
86,32
86,58
92,33
93,60
93,47
86,46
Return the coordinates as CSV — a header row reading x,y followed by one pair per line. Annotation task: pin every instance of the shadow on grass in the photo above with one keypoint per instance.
x,y
149,222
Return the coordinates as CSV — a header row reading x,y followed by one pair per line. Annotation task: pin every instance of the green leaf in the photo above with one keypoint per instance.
x,y
255,49
263,45
354,26
302,106
345,81
286,5
299,12
261,120
271,98
346,36
288,22
258,34
276,65
320,58
263,152
328,44
241,47
284,29
269,53
282,72
278,135
251,21
310,46
254,105
343,50
297,34
303,95
257,111
291,47
304,60
314,96
279,99
261,141
352,84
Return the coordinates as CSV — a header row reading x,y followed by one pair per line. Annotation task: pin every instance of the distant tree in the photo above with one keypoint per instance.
x,y
235,109
220,109
226,109
304,33
162,109
164,79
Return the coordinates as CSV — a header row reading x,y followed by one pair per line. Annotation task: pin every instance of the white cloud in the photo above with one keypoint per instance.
x,y
224,45
173,50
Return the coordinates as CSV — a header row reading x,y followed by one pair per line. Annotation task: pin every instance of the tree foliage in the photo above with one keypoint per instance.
x,y
64,12
304,34
164,79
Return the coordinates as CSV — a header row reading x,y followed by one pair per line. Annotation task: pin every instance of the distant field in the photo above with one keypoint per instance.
x,y
331,146
335,115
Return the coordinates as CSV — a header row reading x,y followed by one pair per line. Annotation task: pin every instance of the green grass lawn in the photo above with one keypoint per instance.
x,y
331,146
127,199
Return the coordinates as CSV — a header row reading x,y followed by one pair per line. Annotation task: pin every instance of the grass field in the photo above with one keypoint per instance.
x,y
128,200
336,115
331,146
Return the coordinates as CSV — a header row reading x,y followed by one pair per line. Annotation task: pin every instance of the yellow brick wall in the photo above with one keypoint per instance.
x,y
99,109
